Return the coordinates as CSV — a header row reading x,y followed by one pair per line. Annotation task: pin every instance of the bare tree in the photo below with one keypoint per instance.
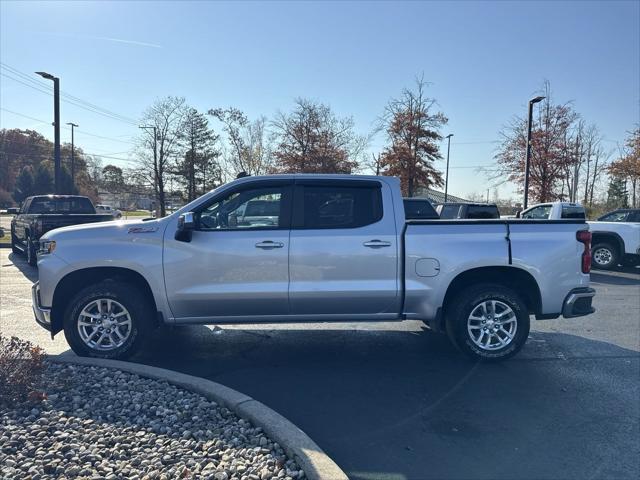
x,y
248,148
627,167
413,129
167,116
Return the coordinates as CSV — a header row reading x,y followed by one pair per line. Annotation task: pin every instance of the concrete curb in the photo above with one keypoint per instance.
x,y
315,463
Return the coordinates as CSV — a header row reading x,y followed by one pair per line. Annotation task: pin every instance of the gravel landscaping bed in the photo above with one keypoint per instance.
x,y
99,423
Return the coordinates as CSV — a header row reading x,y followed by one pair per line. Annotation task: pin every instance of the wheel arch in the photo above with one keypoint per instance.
x,y
510,277
608,237
68,286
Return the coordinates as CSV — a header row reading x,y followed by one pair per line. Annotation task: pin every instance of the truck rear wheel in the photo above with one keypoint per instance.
x,y
107,320
488,322
604,256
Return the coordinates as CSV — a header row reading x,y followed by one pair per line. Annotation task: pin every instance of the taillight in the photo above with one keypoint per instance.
x,y
584,237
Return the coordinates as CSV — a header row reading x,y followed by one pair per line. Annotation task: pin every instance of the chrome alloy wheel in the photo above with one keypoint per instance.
x,y
492,325
602,256
104,324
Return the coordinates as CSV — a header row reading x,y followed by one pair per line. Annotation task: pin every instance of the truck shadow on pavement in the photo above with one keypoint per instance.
x,y
405,404
31,273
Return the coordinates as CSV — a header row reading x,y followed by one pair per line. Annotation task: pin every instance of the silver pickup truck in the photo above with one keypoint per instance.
x,y
312,248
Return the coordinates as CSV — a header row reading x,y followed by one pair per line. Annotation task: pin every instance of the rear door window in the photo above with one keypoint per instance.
x,y
634,216
339,207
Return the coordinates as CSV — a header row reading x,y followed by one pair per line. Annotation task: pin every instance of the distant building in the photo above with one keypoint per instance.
x,y
437,197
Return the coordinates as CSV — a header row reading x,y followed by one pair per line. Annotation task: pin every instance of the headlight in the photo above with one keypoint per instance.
x,y
46,247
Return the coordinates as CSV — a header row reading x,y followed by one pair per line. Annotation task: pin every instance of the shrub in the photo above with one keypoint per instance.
x,y
21,367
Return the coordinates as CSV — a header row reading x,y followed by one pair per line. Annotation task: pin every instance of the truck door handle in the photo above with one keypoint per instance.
x,y
376,244
268,244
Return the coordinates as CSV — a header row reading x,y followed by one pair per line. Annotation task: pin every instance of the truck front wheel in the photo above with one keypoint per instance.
x,y
488,322
107,320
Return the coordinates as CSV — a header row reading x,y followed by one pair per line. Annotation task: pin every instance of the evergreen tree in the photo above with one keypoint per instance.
x,y
66,183
24,185
42,180
196,169
617,195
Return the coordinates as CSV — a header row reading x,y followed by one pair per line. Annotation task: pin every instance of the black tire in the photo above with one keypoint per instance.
x,y
32,257
140,311
14,245
607,256
466,302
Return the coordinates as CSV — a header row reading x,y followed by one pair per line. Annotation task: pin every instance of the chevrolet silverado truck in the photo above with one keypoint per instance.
x,y
321,248
615,236
42,213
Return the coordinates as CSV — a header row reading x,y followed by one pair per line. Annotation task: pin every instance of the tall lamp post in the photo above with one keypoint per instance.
x,y
528,158
446,178
73,159
56,128
155,154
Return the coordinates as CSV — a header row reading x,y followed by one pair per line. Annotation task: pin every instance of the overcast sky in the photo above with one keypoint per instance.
x,y
484,61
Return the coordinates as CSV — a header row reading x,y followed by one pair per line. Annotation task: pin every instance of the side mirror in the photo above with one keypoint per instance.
x,y
13,211
186,226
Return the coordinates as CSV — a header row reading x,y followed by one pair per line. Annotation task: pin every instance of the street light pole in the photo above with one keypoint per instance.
x,y
446,180
528,157
56,125
73,159
155,155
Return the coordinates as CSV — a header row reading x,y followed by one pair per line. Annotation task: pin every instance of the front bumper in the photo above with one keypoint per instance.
x,y
578,303
43,315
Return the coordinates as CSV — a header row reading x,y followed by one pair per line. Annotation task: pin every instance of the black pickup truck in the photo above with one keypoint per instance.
x,y
42,213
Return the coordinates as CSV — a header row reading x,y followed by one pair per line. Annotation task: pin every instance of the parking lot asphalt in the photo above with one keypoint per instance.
x,y
396,401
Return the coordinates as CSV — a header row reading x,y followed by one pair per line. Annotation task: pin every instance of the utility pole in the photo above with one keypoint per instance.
x,y
446,180
73,159
56,127
576,171
155,159
528,157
